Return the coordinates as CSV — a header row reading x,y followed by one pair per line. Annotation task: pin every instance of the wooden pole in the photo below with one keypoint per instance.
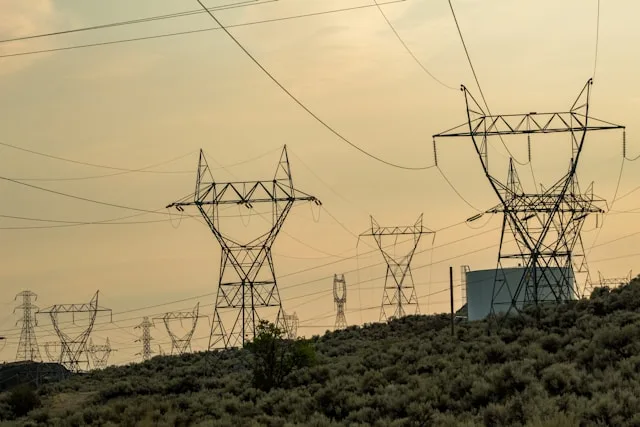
x,y
451,297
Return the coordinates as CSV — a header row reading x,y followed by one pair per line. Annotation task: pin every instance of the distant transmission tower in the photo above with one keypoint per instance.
x,y
291,323
73,354
340,299
399,290
53,350
28,345
99,353
145,339
181,344
545,225
247,286
614,282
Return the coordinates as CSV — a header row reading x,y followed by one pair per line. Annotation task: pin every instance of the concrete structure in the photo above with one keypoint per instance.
x,y
480,288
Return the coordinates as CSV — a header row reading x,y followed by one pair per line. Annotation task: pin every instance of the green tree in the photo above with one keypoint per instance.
x,y
276,357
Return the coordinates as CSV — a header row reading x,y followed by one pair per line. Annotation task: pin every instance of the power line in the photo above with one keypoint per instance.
x,y
95,165
134,21
475,76
180,33
409,51
303,106
595,60
456,190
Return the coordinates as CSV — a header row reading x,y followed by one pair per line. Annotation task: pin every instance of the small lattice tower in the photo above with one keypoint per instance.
x,y
145,339
340,300
28,345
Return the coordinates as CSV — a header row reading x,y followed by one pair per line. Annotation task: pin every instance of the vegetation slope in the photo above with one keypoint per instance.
x,y
578,365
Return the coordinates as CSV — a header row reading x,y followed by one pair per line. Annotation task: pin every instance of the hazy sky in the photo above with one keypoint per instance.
x,y
135,104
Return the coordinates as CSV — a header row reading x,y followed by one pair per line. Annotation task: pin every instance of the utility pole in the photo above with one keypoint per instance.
x,y
247,285
340,299
545,224
28,346
145,339
451,298
73,354
399,290
181,344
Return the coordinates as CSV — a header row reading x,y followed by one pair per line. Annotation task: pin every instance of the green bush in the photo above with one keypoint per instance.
x,y
23,399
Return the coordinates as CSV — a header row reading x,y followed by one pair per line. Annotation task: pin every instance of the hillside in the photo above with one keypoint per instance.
x,y
580,365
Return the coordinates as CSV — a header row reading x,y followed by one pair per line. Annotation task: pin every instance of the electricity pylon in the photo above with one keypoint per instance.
x,y
613,282
99,353
247,285
545,225
145,339
399,290
53,350
291,323
28,345
73,354
181,344
340,299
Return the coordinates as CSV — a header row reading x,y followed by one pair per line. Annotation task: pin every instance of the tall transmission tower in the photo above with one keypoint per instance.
x,y
340,299
247,285
545,225
181,344
73,354
399,290
145,339
28,346
99,354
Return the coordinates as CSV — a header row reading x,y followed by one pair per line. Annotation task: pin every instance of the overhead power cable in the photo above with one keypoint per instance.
x,y
475,76
135,21
302,105
595,60
180,33
409,51
84,199
95,165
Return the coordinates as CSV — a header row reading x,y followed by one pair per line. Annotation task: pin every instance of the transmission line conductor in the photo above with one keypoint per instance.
x,y
28,346
399,295
545,224
73,353
340,300
247,285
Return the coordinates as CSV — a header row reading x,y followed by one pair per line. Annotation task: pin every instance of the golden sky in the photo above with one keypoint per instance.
x,y
135,104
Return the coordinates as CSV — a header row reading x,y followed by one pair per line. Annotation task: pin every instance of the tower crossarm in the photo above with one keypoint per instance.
x,y
246,193
548,203
526,124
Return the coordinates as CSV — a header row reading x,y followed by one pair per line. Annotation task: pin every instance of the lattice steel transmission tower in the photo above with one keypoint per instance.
x,y
247,286
399,290
53,350
145,339
340,300
73,353
614,282
181,344
544,225
28,346
291,323
99,354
